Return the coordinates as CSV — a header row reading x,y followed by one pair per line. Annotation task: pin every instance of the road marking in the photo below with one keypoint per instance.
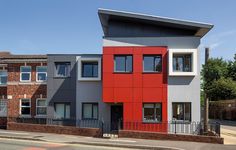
x,y
14,133
117,140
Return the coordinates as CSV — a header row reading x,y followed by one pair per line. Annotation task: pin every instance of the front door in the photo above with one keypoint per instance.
x,y
116,117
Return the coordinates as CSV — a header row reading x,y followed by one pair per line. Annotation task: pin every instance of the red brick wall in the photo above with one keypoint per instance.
x,y
17,90
93,132
172,137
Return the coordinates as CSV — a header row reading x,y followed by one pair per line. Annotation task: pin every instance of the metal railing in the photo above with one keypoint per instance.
x,y
57,121
171,127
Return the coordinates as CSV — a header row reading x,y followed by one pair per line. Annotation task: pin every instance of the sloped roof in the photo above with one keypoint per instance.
x,y
105,15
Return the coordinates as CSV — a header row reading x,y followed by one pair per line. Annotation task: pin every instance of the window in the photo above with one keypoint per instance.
x,y
25,107
25,73
62,110
41,73
123,63
182,62
41,107
152,63
90,69
152,112
3,108
90,111
3,77
62,69
182,111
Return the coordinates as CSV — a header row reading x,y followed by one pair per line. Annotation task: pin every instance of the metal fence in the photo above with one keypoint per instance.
x,y
172,127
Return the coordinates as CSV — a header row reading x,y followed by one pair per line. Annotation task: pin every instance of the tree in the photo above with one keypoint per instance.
x,y
219,79
232,69
222,89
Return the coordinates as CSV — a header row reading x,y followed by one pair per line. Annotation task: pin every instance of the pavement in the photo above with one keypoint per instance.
x,y
96,143
228,131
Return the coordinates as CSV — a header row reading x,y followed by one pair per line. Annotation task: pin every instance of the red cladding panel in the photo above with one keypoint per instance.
x,y
134,89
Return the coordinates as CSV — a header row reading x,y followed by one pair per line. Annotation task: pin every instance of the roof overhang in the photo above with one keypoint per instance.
x,y
105,15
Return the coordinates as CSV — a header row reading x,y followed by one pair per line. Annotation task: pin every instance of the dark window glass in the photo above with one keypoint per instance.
x,y
152,63
182,62
89,69
90,111
181,111
152,112
25,76
25,107
62,69
123,63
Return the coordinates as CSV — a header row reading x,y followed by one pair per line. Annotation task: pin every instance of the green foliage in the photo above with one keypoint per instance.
x,y
232,69
219,79
222,89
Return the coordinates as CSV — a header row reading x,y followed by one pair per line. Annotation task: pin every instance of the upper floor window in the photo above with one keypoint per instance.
x,y
181,111
62,69
41,107
152,112
25,73
90,69
41,73
3,77
182,62
152,63
123,63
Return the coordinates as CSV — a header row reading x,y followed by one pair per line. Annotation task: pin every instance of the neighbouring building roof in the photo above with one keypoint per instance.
x,y
7,57
189,28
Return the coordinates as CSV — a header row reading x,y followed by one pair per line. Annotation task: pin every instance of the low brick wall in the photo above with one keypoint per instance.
x,y
172,137
92,132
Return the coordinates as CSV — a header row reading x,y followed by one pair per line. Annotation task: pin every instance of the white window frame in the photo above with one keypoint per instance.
x,y
25,115
40,72
4,70
41,107
80,61
25,72
194,61
5,115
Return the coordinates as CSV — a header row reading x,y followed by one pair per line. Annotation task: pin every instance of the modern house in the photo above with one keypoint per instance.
x,y
23,86
147,75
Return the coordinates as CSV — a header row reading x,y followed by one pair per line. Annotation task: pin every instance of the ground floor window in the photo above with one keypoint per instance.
x,y
90,110
181,111
3,108
41,107
25,106
62,110
152,112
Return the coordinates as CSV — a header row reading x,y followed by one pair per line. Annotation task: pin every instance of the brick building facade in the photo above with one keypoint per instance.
x,y
25,84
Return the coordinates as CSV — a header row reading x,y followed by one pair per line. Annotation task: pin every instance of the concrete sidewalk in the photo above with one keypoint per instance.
x,y
113,142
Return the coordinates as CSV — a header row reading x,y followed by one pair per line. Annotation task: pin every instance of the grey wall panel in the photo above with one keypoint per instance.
x,y
171,42
61,89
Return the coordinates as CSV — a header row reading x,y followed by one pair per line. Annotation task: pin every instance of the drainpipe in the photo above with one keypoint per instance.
x,y
206,99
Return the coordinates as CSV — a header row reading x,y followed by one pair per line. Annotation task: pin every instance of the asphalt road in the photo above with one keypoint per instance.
x,y
13,144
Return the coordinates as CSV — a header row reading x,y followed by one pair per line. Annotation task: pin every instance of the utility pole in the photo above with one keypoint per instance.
x,y
206,100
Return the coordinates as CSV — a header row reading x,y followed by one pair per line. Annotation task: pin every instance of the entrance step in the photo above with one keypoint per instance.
x,y
108,135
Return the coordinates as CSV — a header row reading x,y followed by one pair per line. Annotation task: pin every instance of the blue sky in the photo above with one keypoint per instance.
x,y
72,26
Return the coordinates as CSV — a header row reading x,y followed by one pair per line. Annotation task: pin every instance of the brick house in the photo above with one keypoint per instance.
x,y
22,86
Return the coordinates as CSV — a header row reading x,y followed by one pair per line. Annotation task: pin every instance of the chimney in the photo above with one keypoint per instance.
x,y
4,53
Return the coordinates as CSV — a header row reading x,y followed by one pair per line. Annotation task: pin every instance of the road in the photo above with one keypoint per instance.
x,y
13,144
